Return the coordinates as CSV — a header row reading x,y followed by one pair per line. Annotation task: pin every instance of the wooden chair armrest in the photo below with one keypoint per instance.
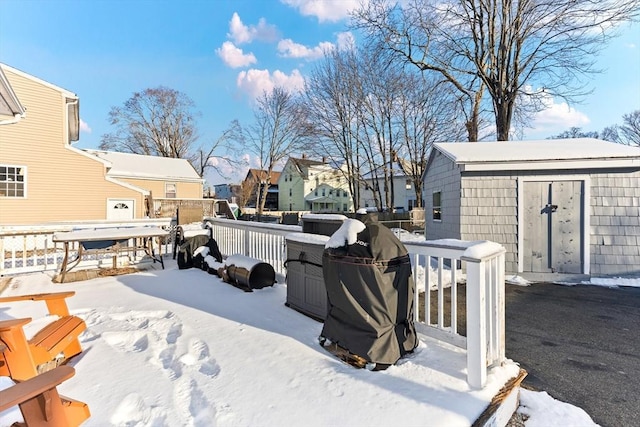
x,y
38,297
8,324
34,386
56,301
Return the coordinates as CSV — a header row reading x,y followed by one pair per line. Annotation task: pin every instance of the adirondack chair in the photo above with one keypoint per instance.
x,y
52,345
40,403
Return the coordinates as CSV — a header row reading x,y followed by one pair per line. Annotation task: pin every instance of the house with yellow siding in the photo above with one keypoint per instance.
x,y
43,177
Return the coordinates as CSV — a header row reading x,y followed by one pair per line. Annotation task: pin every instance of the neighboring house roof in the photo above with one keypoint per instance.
x,y
260,175
539,155
9,103
127,165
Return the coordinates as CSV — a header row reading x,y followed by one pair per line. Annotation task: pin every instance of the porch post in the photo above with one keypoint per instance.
x,y
476,324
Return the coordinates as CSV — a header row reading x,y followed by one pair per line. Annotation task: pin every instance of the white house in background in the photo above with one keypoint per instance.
x,y
557,206
312,185
404,195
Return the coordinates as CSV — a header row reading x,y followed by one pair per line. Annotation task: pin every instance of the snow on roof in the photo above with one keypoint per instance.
x,y
141,166
541,150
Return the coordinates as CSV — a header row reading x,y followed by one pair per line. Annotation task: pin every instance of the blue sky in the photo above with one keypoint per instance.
x,y
222,53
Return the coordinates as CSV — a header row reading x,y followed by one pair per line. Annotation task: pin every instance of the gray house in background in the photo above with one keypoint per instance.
x,y
558,206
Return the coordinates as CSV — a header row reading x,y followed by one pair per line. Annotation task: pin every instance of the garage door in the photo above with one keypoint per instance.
x,y
120,209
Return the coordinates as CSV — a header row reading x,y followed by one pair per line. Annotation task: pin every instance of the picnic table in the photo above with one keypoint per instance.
x,y
114,240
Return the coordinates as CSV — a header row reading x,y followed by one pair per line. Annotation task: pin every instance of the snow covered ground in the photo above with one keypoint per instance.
x,y
182,348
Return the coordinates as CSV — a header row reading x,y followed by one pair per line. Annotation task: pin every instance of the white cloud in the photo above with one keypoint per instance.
x,y
324,10
557,117
255,82
241,33
84,127
289,49
234,57
559,114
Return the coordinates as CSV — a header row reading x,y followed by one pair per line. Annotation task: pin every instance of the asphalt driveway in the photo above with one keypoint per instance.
x,y
580,344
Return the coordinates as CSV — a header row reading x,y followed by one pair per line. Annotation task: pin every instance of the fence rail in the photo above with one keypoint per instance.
x,y
30,248
440,269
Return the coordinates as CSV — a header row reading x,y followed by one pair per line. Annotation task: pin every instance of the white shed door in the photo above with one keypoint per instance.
x,y
553,219
120,209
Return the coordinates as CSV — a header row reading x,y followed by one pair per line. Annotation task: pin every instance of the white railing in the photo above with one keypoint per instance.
x,y
30,248
483,262
479,270
263,241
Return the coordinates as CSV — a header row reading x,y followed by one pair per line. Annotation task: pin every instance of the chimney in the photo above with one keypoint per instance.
x,y
304,156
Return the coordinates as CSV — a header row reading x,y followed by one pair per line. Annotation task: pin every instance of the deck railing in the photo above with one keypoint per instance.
x,y
30,248
459,293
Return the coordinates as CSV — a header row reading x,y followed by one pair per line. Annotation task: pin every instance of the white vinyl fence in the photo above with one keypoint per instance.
x,y
438,267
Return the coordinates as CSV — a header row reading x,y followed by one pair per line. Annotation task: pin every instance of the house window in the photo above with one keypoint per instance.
x,y
170,190
437,206
323,192
407,184
338,192
12,181
344,207
290,192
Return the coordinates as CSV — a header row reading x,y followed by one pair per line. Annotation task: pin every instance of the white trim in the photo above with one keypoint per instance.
x,y
586,203
550,165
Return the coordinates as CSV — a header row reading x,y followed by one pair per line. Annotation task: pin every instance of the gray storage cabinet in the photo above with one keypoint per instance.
x,y
325,224
306,291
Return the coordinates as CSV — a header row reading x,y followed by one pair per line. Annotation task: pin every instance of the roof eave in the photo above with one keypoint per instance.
x,y
547,165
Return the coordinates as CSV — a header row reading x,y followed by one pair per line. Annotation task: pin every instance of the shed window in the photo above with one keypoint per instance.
x,y
170,190
437,206
12,181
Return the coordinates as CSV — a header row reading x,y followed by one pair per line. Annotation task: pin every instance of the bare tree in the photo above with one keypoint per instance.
x,y
332,103
425,116
157,122
279,129
205,158
513,46
628,133
575,132
413,34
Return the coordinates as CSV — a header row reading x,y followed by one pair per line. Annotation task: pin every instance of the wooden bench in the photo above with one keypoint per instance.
x,y
52,345
40,403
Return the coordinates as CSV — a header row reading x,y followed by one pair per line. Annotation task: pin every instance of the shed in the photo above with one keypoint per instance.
x,y
568,206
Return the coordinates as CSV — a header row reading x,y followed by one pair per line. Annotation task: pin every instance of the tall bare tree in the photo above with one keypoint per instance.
x,y
411,31
512,45
158,122
332,103
279,129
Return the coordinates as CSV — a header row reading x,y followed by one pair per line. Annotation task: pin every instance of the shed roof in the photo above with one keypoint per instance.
x,y
542,154
127,165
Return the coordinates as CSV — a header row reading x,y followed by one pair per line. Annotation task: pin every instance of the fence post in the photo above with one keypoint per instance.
x,y
476,323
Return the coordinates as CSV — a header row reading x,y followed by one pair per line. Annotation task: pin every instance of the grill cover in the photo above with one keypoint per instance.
x,y
370,293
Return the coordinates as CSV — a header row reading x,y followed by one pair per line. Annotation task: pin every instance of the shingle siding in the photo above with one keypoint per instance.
x,y
490,213
615,223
